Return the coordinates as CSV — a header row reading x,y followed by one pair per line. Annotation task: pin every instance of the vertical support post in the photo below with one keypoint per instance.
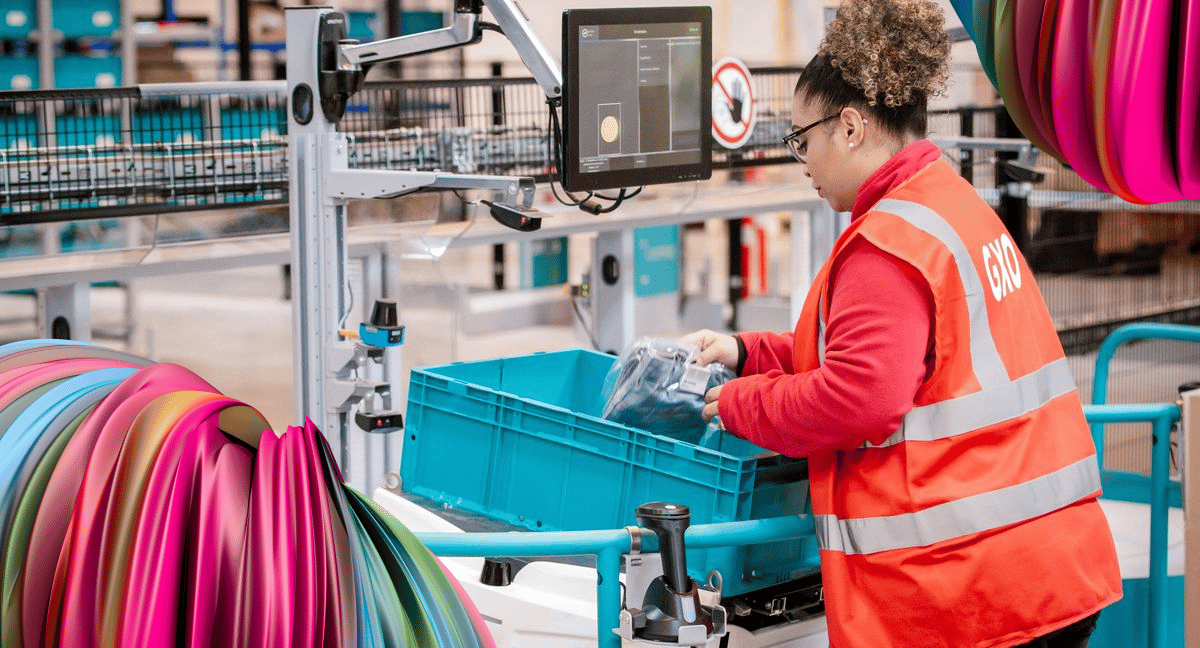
x,y
737,278
318,225
1160,464
45,47
1189,443
612,290
498,120
67,313
1014,200
608,596
799,231
129,48
966,155
825,226
244,45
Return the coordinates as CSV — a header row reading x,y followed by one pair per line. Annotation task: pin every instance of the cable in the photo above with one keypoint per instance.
x,y
463,198
596,209
629,195
349,307
555,155
153,242
587,328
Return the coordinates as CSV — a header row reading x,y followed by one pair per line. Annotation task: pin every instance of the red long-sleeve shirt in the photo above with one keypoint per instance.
x,y
877,353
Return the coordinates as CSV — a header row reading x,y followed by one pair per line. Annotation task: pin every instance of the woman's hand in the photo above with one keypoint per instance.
x,y
710,403
714,347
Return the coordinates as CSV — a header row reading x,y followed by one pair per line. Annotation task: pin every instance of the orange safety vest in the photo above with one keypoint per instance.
x,y
976,524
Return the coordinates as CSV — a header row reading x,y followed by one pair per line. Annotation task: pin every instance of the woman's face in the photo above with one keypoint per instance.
x,y
825,154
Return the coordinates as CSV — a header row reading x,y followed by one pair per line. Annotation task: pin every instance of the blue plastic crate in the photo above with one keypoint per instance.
x,y
521,440
18,18
87,130
86,18
362,25
18,131
19,73
168,126
253,124
83,71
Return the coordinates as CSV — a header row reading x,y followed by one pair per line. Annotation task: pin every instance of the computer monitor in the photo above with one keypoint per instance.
x,y
637,87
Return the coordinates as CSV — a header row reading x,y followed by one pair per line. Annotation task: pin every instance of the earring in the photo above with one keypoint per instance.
x,y
851,144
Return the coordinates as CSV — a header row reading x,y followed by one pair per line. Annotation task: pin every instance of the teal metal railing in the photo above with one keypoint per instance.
x,y
607,547
1157,490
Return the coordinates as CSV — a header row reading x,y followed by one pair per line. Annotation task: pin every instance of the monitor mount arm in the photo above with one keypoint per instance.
x,y
344,61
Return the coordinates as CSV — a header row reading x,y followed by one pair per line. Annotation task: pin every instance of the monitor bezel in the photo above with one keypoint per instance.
x,y
570,175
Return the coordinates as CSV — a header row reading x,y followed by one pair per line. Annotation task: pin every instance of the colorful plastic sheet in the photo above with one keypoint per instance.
x,y
1109,87
141,507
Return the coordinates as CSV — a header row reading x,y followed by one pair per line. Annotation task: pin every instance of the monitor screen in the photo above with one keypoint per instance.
x,y
636,96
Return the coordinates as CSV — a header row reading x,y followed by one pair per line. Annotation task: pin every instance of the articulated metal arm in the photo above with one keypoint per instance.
x,y
516,28
466,30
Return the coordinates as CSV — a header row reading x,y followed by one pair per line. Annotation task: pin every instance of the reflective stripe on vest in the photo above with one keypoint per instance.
x,y
985,358
999,398
981,409
961,517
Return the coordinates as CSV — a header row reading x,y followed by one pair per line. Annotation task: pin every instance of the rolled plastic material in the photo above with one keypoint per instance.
x,y
1108,87
141,507
1188,92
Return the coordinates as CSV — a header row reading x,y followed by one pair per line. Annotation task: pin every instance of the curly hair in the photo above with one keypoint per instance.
x,y
892,50
891,55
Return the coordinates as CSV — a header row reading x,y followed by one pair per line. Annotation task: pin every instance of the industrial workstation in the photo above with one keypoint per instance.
x,y
740,324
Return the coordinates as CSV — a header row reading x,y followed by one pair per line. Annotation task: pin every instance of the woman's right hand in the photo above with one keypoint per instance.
x,y
714,347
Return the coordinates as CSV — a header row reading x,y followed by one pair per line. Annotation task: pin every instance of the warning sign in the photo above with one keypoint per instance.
x,y
733,109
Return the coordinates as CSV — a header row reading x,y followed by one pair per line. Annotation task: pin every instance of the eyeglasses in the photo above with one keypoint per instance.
x,y
799,148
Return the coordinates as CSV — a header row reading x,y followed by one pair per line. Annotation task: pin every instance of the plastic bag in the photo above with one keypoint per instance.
x,y
657,386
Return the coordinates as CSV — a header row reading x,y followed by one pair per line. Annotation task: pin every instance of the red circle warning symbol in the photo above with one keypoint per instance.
x,y
733,109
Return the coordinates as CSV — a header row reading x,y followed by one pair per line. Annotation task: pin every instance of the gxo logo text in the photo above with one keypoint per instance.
x,y
1000,265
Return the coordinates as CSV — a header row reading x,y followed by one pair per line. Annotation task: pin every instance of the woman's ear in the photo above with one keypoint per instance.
x,y
852,125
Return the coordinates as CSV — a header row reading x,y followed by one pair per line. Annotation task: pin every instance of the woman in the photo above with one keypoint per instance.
x,y
953,476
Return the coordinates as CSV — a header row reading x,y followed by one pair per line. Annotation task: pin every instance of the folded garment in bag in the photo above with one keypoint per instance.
x,y
657,386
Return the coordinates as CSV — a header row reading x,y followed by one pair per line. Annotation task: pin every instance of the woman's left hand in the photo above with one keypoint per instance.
x,y
710,403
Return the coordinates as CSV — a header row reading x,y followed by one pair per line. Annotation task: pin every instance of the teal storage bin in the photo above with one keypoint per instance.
x,y
521,440
415,22
18,18
19,73
87,130
252,124
86,18
175,125
18,131
362,25
82,71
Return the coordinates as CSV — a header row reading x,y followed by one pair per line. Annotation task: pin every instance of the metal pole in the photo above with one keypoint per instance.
x,y
318,231
1014,205
1189,444
613,290
1160,465
243,16
498,120
737,278
966,155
